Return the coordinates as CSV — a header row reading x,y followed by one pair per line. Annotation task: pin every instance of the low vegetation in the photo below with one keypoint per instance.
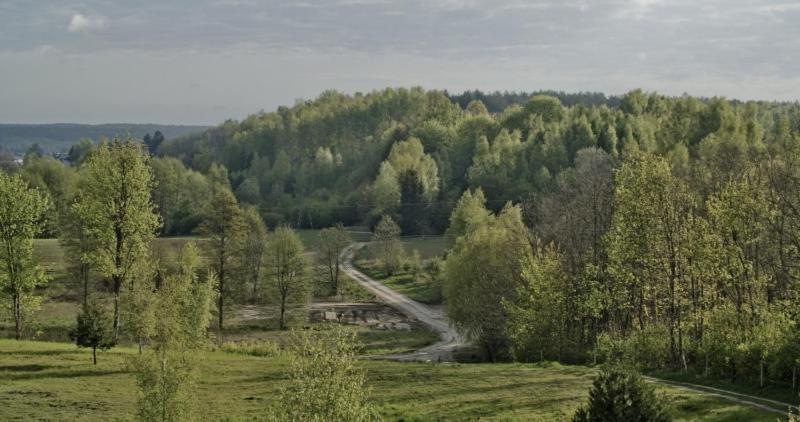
x,y
56,381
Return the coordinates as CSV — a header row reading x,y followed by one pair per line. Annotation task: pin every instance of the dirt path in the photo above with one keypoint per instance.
x,y
432,316
767,405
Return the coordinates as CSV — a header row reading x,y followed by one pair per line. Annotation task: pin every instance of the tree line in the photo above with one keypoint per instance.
x,y
104,211
683,261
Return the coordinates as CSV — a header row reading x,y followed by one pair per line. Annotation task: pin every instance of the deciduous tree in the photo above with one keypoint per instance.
x,y
332,242
116,211
287,269
21,212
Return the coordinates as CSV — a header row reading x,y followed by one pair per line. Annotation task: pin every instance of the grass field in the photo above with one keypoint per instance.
x,y
53,381
427,246
422,288
61,296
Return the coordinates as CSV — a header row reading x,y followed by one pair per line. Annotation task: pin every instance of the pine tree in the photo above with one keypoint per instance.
x,y
94,328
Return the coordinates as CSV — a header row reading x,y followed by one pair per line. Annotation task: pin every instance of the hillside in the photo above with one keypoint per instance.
x,y
411,153
58,137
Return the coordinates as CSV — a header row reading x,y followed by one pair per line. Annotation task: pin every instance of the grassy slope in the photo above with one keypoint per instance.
x,y
53,381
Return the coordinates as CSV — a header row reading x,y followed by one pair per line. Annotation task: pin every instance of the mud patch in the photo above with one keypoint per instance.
x,y
372,315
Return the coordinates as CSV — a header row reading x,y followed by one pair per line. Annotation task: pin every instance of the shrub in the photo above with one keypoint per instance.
x,y
94,328
252,347
622,395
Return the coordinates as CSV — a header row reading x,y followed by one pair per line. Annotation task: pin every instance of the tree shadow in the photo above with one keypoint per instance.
x,y
24,368
64,374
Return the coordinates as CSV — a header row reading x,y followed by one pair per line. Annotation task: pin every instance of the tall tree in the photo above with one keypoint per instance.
x,y
21,211
288,269
166,373
413,218
386,237
332,242
648,246
483,271
116,211
254,251
224,226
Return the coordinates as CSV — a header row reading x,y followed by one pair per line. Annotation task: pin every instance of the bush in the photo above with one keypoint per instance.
x,y
258,348
645,348
622,395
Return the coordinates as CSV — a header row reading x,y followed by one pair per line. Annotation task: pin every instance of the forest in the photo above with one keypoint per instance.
x,y
657,232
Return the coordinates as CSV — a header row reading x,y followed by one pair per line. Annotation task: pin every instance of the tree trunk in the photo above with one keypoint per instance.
x,y
116,278
117,285
17,316
336,276
282,323
94,355
221,300
85,276
761,374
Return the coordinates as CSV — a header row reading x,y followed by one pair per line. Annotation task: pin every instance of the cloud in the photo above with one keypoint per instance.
x,y
83,23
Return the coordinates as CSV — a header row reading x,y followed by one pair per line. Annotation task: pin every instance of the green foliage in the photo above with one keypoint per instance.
x,y
540,313
94,328
260,348
622,396
386,243
116,212
224,226
470,212
549,108
409,156
21,212
253,254
166,373
325,384
288,269
481,272
332,242
179,195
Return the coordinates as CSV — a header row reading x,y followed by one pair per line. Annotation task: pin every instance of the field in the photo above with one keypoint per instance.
x,y
427,246
53,381
420,288
61,297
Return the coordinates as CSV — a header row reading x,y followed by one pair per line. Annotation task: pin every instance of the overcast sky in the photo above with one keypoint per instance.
x,y
202,61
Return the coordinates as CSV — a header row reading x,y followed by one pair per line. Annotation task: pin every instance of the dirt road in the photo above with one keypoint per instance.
x,y
433,316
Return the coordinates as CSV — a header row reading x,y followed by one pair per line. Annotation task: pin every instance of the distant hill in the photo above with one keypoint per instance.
x,y
16,138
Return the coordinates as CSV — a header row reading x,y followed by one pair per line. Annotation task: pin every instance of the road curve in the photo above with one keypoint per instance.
x,y
432,316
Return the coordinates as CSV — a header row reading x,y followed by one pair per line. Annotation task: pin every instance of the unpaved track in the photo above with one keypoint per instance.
x,y
767,405
432,316
442,351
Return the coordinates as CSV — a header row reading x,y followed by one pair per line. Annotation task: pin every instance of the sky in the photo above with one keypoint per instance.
x,y
204,61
